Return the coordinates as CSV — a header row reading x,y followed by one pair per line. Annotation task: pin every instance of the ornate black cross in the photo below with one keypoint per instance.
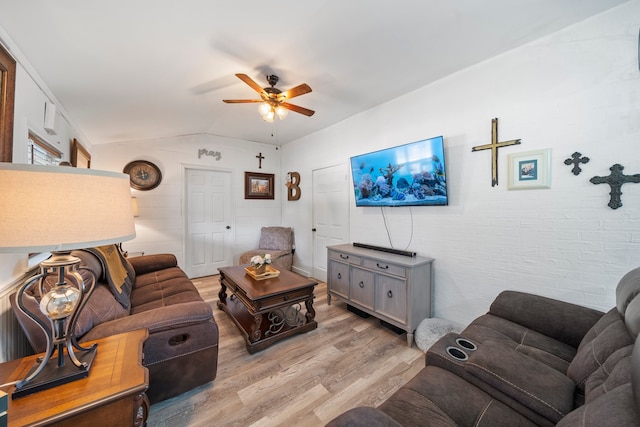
x,y
576,159
260,157
615,181
494,150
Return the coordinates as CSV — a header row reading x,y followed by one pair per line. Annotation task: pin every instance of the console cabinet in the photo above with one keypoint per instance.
x,y
394,288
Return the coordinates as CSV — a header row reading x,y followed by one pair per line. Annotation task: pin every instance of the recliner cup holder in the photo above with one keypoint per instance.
x,y
466,344
457,354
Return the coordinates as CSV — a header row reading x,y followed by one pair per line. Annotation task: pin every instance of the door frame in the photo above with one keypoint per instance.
x,y
183,205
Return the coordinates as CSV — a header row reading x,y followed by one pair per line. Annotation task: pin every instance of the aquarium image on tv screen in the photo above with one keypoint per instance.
x,y
413,174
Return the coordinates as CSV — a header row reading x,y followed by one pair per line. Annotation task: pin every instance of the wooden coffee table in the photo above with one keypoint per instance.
x,y
267,311
112,394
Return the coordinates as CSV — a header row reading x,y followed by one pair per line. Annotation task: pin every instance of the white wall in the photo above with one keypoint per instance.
x,y
160,225
577,90
31,94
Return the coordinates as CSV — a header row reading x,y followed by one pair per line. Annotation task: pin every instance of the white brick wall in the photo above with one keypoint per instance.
x,y
577,90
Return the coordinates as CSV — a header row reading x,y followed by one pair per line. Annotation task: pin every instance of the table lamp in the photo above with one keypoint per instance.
x,y
58,209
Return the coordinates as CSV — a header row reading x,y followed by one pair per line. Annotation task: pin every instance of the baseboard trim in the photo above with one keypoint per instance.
x,y
300,271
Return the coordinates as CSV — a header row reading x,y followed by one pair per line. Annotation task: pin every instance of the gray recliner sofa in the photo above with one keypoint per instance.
x,y
530,361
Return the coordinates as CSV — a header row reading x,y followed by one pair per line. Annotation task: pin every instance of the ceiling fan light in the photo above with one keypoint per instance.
x,y
269,117
282,112
264,109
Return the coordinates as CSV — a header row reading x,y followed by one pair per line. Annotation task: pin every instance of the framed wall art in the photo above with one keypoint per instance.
x,y
258,185
7,101
80,157
530,170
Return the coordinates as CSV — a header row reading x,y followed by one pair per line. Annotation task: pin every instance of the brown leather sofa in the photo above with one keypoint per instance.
x,y
530,361
182,349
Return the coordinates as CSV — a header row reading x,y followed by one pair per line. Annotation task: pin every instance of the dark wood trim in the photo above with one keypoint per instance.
x,y
250,188
7,100
78,151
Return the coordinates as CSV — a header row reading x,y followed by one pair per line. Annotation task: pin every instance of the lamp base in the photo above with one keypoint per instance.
x,y
53,375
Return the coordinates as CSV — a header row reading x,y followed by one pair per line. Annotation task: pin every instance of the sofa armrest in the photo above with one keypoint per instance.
x,y
150,263
159,319
528,381
563,321
365,416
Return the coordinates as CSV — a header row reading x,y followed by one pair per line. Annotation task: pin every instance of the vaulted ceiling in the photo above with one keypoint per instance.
x,y
127,70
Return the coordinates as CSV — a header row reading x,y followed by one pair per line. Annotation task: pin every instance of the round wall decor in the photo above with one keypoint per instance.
x,y
143,175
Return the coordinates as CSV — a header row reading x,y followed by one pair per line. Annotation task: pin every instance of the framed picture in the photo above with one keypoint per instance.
x,y
7,102
80,157
258,185
530,170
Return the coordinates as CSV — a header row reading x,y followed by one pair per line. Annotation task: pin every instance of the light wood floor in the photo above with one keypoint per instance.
x,y
306,380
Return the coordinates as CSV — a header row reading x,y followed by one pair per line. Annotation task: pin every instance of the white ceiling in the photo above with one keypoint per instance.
x,y
128,70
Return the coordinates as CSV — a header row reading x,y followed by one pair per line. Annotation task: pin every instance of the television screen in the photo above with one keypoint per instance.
x,y
413,174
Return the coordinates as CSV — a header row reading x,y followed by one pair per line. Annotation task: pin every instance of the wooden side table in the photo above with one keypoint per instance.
x,y
112,394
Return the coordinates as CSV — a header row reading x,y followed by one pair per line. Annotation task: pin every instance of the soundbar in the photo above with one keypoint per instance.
x,y
383,249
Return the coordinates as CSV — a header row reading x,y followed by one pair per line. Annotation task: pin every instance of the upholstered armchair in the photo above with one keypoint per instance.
x,y
277,241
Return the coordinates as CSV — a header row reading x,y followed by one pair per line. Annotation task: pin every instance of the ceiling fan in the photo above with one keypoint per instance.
x,y
273,100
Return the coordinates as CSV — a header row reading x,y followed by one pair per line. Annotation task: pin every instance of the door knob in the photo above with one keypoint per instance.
x,y
228,227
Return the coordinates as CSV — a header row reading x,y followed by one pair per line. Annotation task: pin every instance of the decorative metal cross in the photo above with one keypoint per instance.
x,y
494,150
576,160
615,181
260,157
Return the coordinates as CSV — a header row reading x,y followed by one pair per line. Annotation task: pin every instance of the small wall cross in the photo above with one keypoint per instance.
x,y
615,181
576,159
494,150
260,157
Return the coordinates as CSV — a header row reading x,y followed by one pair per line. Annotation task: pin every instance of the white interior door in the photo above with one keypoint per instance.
x,y
330,214
208,222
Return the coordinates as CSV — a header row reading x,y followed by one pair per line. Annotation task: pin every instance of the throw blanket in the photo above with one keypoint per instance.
x,y
117,271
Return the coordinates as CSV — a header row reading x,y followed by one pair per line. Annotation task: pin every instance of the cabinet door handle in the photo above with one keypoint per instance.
x,y
339,276
361,284
344,256
382,267
390,294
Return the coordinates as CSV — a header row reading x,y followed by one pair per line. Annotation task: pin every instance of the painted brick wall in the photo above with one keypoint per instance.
x,y
577,90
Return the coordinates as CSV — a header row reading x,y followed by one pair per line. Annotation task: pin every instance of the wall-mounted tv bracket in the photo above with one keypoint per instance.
x,y
494,150
615,181
576,159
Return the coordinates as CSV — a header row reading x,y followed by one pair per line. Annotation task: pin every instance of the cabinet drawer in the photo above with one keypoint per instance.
x,y
341,256
362,287
338,278
381,266
391,297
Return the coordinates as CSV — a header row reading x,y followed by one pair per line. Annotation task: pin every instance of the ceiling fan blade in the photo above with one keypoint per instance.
x,y
248,80
240,101
295,91
298,109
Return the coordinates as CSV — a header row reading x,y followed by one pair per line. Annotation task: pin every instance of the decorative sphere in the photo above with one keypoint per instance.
x,y
60,301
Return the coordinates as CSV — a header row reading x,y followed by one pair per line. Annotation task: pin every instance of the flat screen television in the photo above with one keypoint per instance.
x,y
412,174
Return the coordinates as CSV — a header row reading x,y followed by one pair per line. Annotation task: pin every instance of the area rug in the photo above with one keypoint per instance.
x,y
431,330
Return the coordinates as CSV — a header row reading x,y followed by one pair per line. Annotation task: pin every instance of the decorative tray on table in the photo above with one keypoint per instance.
x,y
269,273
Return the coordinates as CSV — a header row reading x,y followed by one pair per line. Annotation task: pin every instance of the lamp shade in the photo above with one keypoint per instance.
x,y
54,208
